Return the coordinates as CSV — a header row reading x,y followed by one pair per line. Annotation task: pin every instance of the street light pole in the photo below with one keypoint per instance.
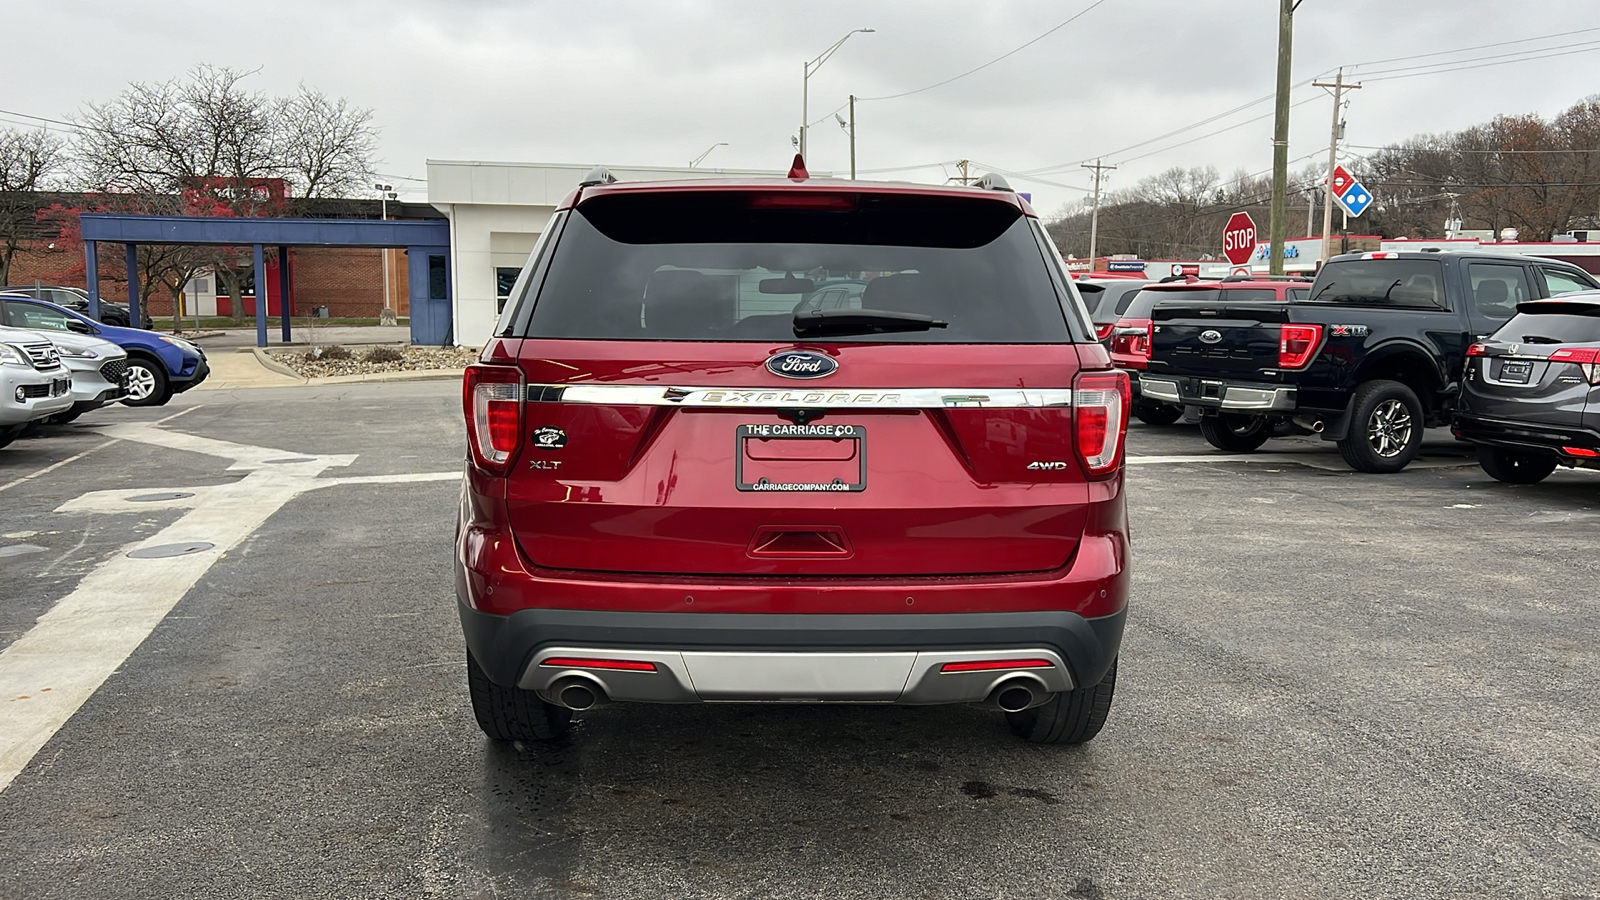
x,y
384,193
701,158
810,68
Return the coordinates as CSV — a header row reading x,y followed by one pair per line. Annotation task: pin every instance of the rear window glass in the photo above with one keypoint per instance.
x,y
1115,302
1147,300
1542,327
737,266
1250,294
1381,282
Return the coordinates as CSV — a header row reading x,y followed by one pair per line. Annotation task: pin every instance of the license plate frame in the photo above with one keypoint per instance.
x,y
1517,371
816,431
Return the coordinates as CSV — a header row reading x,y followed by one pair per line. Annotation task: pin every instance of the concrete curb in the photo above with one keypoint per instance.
x,y
266,360
382,377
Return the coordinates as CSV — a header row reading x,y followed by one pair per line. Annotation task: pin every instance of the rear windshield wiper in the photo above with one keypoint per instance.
x,y
1321,292
861,321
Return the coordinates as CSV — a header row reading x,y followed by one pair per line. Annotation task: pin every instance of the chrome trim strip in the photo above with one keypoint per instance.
x,y
699,676
1159,389
1273,400
833,398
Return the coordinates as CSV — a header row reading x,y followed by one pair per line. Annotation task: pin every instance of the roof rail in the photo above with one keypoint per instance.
x,y
598,175
1268,278
993,182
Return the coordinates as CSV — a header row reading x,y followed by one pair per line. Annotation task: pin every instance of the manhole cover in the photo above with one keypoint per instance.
x,y
292,459
156,498
16,550
162,551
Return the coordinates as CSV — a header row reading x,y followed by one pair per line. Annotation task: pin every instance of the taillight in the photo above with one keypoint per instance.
x,y
1478,349
1297,344
493,398
1102,332
1586,358
1133,337
1100,419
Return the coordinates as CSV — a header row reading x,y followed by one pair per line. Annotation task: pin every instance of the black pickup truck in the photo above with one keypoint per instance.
x,y
1369,359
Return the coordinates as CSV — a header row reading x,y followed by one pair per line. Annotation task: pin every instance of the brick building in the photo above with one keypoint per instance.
x,y
348,281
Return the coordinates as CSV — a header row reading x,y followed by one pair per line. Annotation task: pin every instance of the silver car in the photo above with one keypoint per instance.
x,y
99,372
33,382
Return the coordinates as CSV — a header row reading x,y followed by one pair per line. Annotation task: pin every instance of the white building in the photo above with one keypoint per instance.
x,y
497,210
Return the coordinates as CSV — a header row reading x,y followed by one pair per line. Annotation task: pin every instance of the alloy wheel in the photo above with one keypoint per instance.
x,y
141,382
1389,428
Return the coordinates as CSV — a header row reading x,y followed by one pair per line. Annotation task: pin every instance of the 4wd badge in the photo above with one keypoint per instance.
x,y
549,438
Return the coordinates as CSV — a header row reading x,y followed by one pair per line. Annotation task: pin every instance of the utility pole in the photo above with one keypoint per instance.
x,y
963,177
852,137
1280,138
1094,213
1311,209
1339,87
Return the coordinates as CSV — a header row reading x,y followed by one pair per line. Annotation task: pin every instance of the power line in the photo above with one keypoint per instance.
x,y
1484,65
1529,54
1542,37
991,62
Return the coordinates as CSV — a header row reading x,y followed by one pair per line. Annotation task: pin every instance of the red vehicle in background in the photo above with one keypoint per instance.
x,y
1131,336
686,485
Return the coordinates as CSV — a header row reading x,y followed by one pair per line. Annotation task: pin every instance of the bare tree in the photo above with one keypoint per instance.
x,y
30,161
217,146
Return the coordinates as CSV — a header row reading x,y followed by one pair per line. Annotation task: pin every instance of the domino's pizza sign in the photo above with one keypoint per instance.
x,y
1349,192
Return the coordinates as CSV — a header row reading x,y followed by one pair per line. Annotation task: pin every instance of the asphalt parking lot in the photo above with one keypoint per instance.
x,y
1333,685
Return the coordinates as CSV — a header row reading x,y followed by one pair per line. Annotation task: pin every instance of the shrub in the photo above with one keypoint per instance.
x,y
384,355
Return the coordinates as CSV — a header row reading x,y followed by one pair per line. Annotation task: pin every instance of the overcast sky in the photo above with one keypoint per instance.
x,y
658,82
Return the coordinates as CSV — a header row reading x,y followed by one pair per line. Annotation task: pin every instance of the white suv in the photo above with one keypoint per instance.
x,y
33,382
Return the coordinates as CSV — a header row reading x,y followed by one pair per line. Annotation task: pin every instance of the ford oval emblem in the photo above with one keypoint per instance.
x,y
802,364
1211,336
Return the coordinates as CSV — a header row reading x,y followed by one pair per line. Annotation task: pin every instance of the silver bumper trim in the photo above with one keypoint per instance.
x,y
1157,389
1266,399
697,676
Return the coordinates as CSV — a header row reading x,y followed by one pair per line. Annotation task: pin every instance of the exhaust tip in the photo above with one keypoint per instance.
x,y
576,694
1013,697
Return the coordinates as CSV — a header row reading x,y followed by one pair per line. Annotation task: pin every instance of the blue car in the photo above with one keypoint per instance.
x,y
158,365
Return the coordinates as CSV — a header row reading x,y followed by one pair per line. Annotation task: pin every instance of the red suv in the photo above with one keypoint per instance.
x,y
685,485
1131,335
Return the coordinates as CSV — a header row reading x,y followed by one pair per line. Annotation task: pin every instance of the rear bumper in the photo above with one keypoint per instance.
x,y
1525,436
701,657
1220,393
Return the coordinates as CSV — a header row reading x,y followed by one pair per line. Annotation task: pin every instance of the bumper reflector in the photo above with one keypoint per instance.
x,y
989,665
1584,452
616,665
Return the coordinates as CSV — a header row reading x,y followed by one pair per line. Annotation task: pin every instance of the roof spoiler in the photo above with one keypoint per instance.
x,y
598,175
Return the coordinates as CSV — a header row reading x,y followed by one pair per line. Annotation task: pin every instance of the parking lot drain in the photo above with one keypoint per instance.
x,y
156,498
162,551
292,459
16,550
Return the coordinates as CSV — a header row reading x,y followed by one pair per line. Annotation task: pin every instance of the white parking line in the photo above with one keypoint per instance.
x,y
48,673
54,466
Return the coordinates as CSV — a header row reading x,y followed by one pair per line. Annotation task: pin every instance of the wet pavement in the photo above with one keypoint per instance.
x,y
1333,685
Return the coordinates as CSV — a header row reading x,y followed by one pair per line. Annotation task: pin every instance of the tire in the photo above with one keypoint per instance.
x,y
69,416
1234,432
511,713
147,383
1157,413
1071,717
1514,466
1385,428
7,435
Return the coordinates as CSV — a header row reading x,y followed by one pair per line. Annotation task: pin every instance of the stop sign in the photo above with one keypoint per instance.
x,y
1239,238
